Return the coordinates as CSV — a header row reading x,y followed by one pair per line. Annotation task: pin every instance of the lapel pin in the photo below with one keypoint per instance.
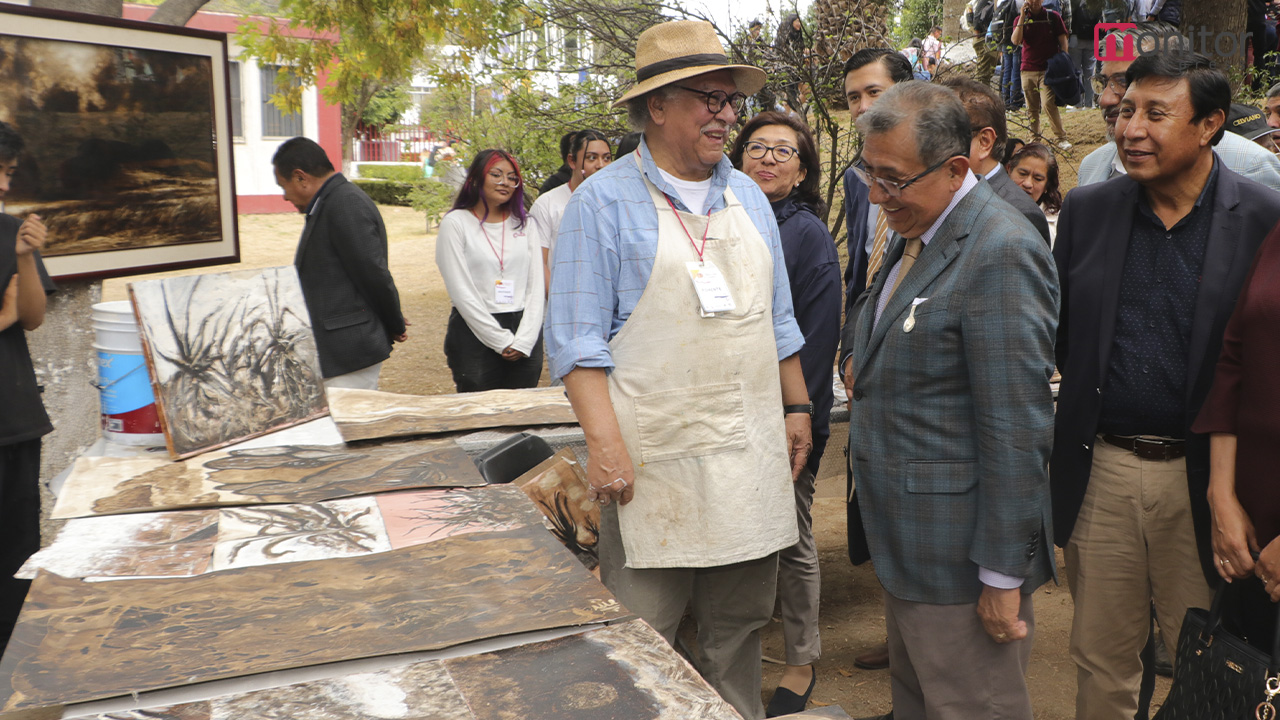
x,y
910,323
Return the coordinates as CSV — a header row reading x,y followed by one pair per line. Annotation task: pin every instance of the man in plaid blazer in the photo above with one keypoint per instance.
x,y
951,416
342,263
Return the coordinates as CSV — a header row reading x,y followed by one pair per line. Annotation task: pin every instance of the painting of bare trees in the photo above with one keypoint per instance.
x,y
127,154
231,356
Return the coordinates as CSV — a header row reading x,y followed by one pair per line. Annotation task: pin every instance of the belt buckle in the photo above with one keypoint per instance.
x,y
1156,449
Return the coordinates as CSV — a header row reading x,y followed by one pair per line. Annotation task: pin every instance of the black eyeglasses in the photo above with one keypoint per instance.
x,y
893,188
1118,83
717,99
781,153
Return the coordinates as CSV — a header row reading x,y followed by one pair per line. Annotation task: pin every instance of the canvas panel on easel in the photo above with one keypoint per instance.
x,y
77,641
231,356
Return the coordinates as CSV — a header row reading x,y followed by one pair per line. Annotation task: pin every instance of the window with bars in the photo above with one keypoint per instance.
x,y
276,123
237,102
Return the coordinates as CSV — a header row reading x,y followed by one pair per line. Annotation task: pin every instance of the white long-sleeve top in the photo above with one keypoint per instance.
x,y
468,262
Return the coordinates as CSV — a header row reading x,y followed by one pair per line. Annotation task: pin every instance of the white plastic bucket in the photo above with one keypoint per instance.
x,y
128,405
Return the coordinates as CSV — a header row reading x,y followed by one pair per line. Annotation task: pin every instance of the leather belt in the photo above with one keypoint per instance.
x,y
1149,448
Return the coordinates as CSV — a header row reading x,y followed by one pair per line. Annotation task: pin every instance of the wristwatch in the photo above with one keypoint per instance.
x,y
806,408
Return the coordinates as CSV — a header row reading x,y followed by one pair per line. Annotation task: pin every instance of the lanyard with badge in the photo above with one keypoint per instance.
x,y
504,291
708,281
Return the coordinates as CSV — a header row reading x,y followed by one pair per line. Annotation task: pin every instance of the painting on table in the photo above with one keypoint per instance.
x,y
77,641
190,542
268,534
412,518
231,356
626,671
558,486
283,474
160,544
364,414
622,672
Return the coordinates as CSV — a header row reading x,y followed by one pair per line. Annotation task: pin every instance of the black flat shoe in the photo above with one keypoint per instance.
x,y
786,702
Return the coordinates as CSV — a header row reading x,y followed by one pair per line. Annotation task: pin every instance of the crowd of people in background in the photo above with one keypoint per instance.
x,y
667,279
1124,428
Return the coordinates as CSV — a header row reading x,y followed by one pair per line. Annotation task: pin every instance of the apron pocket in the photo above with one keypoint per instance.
x,y
690,422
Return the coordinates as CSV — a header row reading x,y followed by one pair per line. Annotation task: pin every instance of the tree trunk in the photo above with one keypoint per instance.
x,y
177,12
106,8
951,12
1214,27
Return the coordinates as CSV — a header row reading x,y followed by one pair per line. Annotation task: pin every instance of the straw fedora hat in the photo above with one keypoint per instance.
x,y
673,51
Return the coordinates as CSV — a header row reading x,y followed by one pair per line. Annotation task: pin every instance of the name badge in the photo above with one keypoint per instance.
x,y
504,292
709,283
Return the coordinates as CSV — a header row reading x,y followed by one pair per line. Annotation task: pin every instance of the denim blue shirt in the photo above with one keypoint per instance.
x,y
605,251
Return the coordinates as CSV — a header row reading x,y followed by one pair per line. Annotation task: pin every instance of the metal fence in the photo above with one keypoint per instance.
x,y
402,145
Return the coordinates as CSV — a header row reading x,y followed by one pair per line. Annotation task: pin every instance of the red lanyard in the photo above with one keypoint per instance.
x,y
501,256
686,230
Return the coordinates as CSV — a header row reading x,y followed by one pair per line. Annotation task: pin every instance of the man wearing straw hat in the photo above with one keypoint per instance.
x,y
667,290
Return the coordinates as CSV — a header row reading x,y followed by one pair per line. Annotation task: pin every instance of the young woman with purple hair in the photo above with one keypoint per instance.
x,y
490,259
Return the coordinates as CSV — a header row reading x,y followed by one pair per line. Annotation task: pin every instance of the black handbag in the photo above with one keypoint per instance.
x,y
1217,674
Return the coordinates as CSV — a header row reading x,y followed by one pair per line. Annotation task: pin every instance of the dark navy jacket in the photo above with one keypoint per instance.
x,y
814,270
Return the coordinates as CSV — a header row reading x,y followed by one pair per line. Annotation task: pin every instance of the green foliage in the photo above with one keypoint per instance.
x,y
527,122
386,192
432,197
399,173
918,18
386,106
364,46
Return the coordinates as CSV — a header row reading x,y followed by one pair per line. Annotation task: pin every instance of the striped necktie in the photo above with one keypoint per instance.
x,y
877,246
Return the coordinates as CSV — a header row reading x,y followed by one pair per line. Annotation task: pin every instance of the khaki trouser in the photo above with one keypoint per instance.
x,y
1133,543
729,604
1037,94
799,583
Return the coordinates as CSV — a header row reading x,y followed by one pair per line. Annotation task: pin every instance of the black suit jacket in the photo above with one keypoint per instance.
x,y
1093,239
342,263
1006,188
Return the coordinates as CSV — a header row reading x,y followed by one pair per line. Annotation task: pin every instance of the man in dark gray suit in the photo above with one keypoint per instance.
x,y
990,134
947,365
342,263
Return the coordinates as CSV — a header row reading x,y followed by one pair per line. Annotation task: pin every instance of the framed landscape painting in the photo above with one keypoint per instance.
x,y
128,141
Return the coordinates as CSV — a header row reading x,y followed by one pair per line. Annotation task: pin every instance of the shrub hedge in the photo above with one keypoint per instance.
x,y
388,192
399,173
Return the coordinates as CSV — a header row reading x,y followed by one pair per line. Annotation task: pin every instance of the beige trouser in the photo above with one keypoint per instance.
x,y
1133,543
729,604
1037,94
799,583
944,666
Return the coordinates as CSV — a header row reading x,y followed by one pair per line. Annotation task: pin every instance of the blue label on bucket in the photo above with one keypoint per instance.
x,y
124,383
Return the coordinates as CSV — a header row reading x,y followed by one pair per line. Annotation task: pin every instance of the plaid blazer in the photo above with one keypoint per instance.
x,y
951,421
342,263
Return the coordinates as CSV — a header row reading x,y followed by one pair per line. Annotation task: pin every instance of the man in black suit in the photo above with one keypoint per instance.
x,y
867,74
342,263
1150,265
989,135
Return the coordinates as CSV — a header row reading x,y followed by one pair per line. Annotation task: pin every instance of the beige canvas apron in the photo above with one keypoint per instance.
x,y
699,403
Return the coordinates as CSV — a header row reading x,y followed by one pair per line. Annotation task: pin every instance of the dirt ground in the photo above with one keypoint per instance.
x,y
852,615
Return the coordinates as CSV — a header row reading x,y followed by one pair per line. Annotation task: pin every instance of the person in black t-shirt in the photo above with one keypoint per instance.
x,y
23,421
